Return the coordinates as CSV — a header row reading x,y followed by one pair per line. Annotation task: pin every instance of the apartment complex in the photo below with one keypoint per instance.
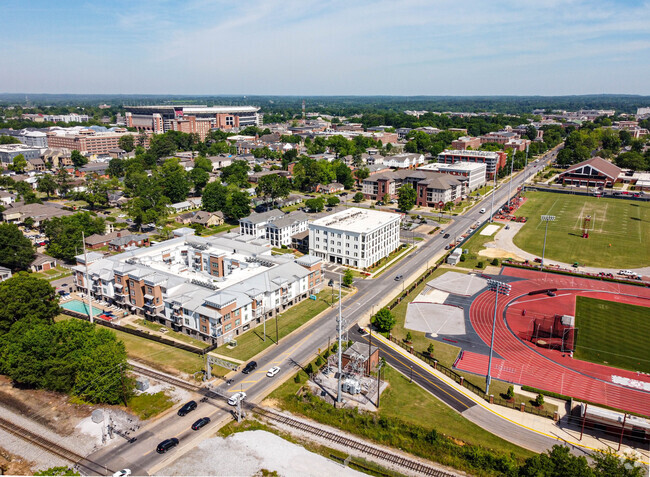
x,y
9,151
356,237
466,142
209,288
473,174
87,140
493,160
434,189
274,226
197,119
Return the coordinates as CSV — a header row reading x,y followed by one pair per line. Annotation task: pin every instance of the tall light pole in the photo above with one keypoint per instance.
x,y
512,165
547,219
498,288
91,316
339,324
494,191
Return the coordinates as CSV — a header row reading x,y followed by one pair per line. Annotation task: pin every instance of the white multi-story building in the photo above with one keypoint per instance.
x,y
274,226
404,161
212,288
474,174
355,237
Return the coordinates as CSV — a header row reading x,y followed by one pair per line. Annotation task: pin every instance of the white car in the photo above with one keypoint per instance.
x,y
122,473
273,371
236,398
627,273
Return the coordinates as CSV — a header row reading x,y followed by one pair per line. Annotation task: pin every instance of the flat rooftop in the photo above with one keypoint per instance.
x,y
457,166
356,220
470,153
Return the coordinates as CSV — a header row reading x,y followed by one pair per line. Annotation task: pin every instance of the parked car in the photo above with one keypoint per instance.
x,y
167,444
187,408
122,473
200,423
252,366
273,371
236,398
627,273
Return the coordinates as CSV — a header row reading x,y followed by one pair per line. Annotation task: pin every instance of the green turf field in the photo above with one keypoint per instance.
x,y
616,230
616,334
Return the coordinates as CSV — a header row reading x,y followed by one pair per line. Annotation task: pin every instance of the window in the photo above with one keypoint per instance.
x,y
149,290
204,329
227,327
236,312
187,322
226,316
237,322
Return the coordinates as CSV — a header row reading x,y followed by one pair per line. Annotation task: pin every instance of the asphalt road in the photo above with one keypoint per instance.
x,y
300,347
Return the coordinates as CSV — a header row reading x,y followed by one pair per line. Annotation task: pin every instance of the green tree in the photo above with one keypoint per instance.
x,y
333,201
16,250
348,278
63,181
47,184
315,205
557,462
510,393
384,320
204,163
173,180
64,233
116,167
26,298
236,174
238,205
409,337
430,350
127,142
199,178
273,186
406,197
214,197
361,174
97,191
19,164
539,400
358,197
386,198
78,160
609,464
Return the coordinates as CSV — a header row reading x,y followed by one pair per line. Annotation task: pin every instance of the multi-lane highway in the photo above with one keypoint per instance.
x,y
140,456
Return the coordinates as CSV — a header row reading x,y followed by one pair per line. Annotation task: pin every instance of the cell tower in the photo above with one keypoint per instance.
x,y
585,226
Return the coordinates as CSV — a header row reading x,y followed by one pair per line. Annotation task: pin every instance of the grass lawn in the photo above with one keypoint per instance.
x,y
616,231
474,245
442,436
154,354
179,336
622,342
147,405
250,343
54,273
398,254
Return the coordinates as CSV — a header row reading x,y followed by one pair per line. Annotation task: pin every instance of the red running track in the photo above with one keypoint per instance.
x,y
527,364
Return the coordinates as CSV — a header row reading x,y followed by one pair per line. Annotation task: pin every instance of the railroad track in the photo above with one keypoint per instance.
x,y
164,377
366,449
88,466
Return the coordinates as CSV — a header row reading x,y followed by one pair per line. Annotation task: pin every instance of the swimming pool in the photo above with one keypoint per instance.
x,y
80,307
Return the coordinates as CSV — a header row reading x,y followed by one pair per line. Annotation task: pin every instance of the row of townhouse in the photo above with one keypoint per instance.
x,y
274,225
209,288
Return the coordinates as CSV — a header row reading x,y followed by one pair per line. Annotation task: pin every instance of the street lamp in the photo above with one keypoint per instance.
x,y
331,285
547,219
498,288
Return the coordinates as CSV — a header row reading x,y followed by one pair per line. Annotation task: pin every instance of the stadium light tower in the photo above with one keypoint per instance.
x,y
498,288
547,219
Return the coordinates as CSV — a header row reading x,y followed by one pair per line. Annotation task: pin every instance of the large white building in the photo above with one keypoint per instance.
x,y
274,225
355,237
211,288
474,174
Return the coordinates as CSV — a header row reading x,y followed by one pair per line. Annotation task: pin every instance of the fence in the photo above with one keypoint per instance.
x,y
450,373
142,334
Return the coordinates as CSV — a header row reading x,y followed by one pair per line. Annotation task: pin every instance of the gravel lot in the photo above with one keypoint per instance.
x,y
246,453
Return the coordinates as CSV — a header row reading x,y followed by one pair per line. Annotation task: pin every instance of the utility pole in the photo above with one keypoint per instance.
x,y
339,351
547,219
277,333
378,379
494,191
512,165
264,325
87,279
504,289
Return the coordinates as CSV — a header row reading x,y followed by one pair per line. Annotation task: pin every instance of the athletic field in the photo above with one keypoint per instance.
x,y
612,333
616,230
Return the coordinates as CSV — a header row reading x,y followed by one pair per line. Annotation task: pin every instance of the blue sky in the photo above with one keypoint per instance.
x,y
300,47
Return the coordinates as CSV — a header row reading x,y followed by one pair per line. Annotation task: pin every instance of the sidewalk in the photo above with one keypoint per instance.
x,y
543,426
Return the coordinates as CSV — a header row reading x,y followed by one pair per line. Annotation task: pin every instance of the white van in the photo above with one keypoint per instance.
x,y
482,211
627,273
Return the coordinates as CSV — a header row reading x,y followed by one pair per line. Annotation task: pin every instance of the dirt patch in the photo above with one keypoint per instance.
x,y
272,403
498,253
48,408
11,464
424,229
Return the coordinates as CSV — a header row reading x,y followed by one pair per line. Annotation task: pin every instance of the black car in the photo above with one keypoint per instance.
x,y
445,236
200,423
252,366
187,408
167,444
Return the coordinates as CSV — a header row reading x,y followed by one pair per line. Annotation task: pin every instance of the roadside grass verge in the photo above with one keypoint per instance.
x,y
148,405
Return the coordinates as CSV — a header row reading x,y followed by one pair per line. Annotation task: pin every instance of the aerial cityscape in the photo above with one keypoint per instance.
x,y
314,239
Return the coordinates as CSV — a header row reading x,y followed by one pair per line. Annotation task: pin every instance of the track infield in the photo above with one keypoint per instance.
x,y
617,229
611,333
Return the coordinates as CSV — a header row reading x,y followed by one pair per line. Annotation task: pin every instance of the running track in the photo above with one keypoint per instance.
x,y
527,364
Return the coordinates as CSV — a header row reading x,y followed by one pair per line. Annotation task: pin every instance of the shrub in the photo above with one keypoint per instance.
x,y
430,349
335,347
309,369
539,400
326,354
296,378
319,361
479,265
409,337
495,262
462,258
510,394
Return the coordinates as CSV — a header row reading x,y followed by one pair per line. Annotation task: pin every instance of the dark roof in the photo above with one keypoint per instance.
x,y
600,164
